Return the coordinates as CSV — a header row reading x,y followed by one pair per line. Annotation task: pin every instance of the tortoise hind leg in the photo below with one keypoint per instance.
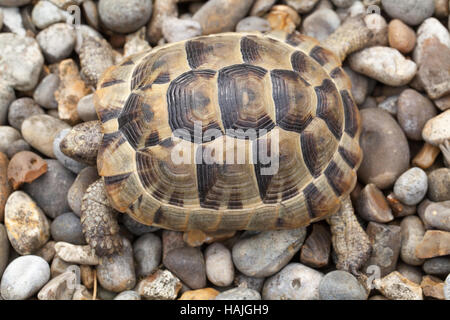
x,y
99,221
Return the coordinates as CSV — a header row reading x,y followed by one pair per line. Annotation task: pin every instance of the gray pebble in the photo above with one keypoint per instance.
x,y
7,136
321,23
67,227
266,253
104,294
439,185
439,266
76,191
86,109
239,294
7,95
411,186
437,215
343,3
447,288
188,264
360,85
175,29
44,94
253,24
412,12
241,280
412,234
21,109
124,16
147,254
24,277
15,3
128,295
135,227
341,285
219,265
12,21
66,161
46,13
16,147
389,105
4,249
58,266
302,6
57,41
412,273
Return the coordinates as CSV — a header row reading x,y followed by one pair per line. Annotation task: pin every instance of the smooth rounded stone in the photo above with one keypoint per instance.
x,y
26,166
435,243
175,29
264,254
431,28
219,265
87,276
66,161
253,23
343,3
188,264
7,136
50,190
315,252
61,287
439,266
147,254
86,109
124,16
161,285
401,37
23,277
117,273
45,90
411,186
260,7
384,64
447,288
321,23
386,243
437,215
341,285
196,237
4,249
12,20
412,273
47,252
294,282
241,280
40,132
135,227
437,130
86,32
91,13
28,228
21,109
7,95
76,254
58,266
439,185
389,105
57,41
372,205
360,85
67,227
46,13
412,231
239,294
421,212
385,149
128,295
5,186
399,209
200,294
412,12
301,6
395,286
21,61
86,177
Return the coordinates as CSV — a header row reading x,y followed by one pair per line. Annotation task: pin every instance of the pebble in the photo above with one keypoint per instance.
x,y
439,185
439,266
372,205
412,273
321,23
411,187
380,132
434,243
412,231
12,21
239,294
136,42
76,254
28,228
253,23
25,167
67,227
384,64
431,28
50,190
199,294
86,32
294,282
136,228
161,10
57,41
66,161
1,18
437,130
301,6
443,103
264,254
45,14
360,85
91,13
147,254
175,29
343,3
116,273
399,209
437,215
283,18
96,55
188,264
86,177
61,287
5,187
341,285
44,94
401,36
15,3
7,136
219,265
433,287
124,16
23,277
171,240
86,109
386,243
47,252
315,251
161,285
412,12
4,249
243,281
394,286
7,95
87,276
447,288
16,147
58,266
414,110
128,295
21,109
421,212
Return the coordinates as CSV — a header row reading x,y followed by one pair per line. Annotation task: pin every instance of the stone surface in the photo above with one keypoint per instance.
x,y
46,13
21,109
372,205
219,265
433,287
147,254
431,28
283,18
136,228
67,227
412,273
76,254
252,23
401,36
315,251
16,147
124,16
411,186
86,109
437,215
188,264
61,287
412,12
7,95
260,7
66,161
321,23
439,185
5,187
412,231
57,41
58,266
44,94
128,295
175,29
394,286
341,285
439,266
243,281
239,294
161,285
199,294
47,252
25,167
7,136
4,249
447,288
76,191
136,42
437,130
434,243
360,85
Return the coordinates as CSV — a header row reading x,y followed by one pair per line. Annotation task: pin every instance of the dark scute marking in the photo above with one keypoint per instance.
x,y
313,199
324,107
279,223
127,63
235,204
167,143
176,199
143,165
197,52
258,149
110,83
334,175
107,114
293,39
310,153
351,122
130,109
298,61
110,138
207,175
337,73
288,194
319,54
138,75
249,50
116,179
163,77
152,139
158,215
147,111
350,158
136,204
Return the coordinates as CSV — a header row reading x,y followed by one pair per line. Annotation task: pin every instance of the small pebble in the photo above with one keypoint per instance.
x,y
437,130
239,294
437,215
343,3
389,105
412,12
76,254
219,265
128,295
75,194
161,285
45,14
7,95
439,185
47,252
124,16
147,254
435,243
5,187
188,264
360,85
373,206
82,293
283,18
44,94
341,285
399,209
301,6
135,43
12,20
321,23
21,109
57,41
58,266
260,7
253,23
61,287
433,287
67,227
66,161
7,136
411,186
87,276
86,108
91,13
16,147
199,294
241,280
439,266
447,288
394,286
175,29
412,273
4,249
431,28
25,167
412,231
315,252
401,37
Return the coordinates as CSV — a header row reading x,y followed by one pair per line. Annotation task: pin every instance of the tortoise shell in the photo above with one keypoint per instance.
x,y
210,97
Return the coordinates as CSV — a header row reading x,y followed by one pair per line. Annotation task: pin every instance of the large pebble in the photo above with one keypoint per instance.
x,y
124,16
86,108
21,61
188,264
431,28
294,282
44,94
437,130
28,228
321,23
219,265
341,285
21,109
147,254
437,215
439,266
385,149
266,253
175,29
411,186
66,161
46,13
412,12
253,24
76,254
67,227
57,41
50,190
384,64
23,277
86,177
4,249
7,95
7,136
161,285
412,231
61,287
439,185
239,294
394,286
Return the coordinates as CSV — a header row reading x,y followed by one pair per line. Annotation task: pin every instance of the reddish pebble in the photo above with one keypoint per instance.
x,y
25,166
401,37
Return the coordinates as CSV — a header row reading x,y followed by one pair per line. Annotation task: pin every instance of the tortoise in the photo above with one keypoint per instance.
x,y
203,93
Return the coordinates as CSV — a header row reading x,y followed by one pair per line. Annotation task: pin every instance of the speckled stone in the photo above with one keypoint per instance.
x,y
21,109
439,185
61,287
439,266
66,161
411,186
396,287
161,285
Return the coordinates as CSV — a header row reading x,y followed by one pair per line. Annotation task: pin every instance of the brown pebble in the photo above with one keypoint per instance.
x,y
426,156
5,187
87,276
161,10
25,166
373,206
283,18
433,287
200,294
443,103
171,240
401,37
316,249
435,243
398,208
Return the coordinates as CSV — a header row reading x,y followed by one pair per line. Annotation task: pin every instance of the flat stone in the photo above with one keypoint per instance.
x,y
252,23
161,285
21,109
47,252
433,287
412,273
360,85
426,156
175,29
434,243
58,266
76,254
394,286
46,13
86,109
401,36
321,23
135,227
243,281
61,287
437,215
147,254
439,266
260,7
